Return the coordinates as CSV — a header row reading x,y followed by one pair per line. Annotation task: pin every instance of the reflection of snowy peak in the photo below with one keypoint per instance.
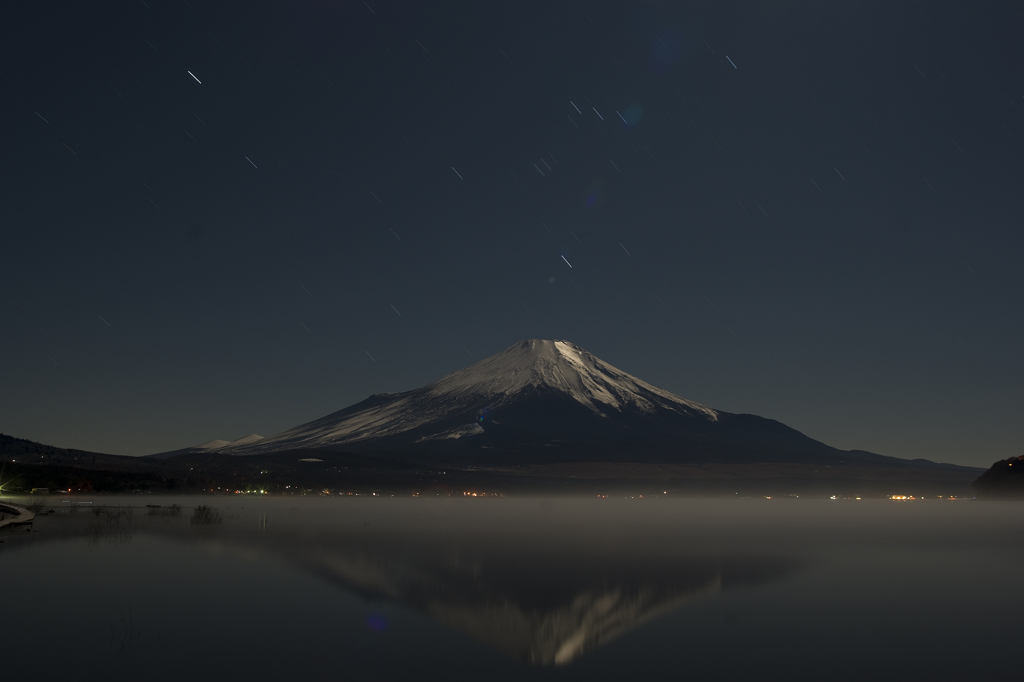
x,y
562,634
586,618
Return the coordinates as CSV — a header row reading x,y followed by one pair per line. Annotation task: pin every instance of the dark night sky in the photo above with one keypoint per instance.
x,y
828,234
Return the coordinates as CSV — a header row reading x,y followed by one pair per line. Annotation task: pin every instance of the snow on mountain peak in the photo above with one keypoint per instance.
x,y
220,444
534,367
562,366
212,444
245,440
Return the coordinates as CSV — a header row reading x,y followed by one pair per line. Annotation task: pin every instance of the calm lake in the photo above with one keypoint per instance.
x,y
382,588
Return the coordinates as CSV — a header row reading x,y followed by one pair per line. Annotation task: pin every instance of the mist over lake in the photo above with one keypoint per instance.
x,y
513,588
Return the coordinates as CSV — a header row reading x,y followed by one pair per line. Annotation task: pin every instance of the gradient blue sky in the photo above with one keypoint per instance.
x,y
807,211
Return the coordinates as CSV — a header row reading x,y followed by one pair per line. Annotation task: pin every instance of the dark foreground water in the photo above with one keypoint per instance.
x,y
391,589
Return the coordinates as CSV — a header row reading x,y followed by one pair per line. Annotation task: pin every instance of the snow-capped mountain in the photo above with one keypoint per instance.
x,y
542,400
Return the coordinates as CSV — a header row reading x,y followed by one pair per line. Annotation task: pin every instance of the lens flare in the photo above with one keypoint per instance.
x,y
377,622
594,194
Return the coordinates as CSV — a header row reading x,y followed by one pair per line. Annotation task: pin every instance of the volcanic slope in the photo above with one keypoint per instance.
x,y
542,401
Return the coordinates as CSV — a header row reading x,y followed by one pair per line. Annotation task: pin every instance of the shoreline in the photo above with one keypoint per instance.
x,y
21,517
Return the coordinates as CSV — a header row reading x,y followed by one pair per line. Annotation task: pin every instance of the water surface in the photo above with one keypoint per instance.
x,y
513,588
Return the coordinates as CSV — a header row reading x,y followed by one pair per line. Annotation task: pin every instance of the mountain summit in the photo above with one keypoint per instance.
x,y
535,393
545,401
539,366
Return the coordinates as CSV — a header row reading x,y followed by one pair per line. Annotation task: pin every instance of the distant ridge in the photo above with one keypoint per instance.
x,y
12,447
209,446
212,445
25,464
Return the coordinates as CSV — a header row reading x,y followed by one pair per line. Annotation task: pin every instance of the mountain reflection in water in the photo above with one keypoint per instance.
x,y
535,604
542,582
517,588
